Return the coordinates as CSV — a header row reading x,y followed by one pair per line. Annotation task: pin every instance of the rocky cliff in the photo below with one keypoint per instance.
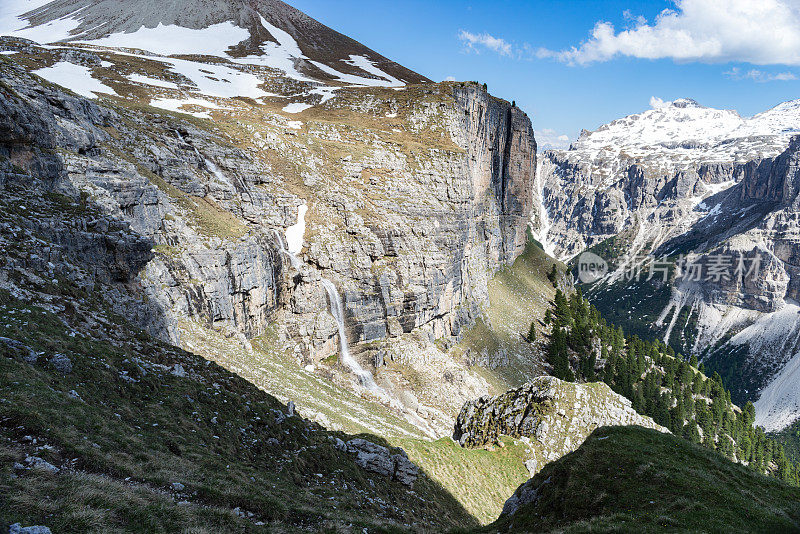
x,y
651,172
406,198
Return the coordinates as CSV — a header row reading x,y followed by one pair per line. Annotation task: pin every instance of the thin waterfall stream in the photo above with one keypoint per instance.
x,y
290,249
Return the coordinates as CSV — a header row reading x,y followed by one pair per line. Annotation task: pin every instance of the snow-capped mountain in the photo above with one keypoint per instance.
x,y
674,137
682,132
251,32
194,56
686,179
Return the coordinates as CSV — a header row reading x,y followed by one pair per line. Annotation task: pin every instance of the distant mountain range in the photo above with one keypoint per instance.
x,y
686,179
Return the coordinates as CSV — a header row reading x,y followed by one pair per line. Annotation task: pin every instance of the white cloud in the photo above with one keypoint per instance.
x,y
474,42
657,103
551,139
759,76
450,79
761,32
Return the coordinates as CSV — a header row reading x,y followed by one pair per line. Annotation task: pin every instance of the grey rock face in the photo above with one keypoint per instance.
x,y
755,231
35,462
61,363
525,494
17,528
425,268
379,459
178,370
28,354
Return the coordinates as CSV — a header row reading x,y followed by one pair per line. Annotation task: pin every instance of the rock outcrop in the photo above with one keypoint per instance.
x,y
381,460
553,416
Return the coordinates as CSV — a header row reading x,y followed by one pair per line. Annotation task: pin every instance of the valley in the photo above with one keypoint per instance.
x,y
257,277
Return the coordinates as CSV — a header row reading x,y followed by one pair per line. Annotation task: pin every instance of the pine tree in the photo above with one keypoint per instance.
x,y
553,275
532,333
557,356
561,310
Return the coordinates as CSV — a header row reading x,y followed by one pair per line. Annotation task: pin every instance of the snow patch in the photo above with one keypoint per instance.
x,y
76,78
172,40
12,23
146,80
176,104
218,80
358,80
370,67
280,56
296,107
295,234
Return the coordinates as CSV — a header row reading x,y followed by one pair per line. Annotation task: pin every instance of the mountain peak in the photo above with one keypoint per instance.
x,y
683,103
264,32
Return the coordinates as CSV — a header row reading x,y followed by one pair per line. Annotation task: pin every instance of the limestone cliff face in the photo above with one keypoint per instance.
x,y
143,177
410,236
502,158
584,207
416,248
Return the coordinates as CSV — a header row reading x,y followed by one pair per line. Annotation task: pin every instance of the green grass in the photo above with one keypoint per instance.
x,y
630,479
519,294
481,480
137,428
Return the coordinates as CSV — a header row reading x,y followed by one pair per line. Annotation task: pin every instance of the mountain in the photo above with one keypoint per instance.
x,y
262,248
686,183
246,257
297,197
666,159
256,32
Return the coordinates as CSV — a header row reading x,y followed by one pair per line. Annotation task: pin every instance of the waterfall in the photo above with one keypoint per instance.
x,y
215,171
210,165
293,259
544,217
337,310
291,247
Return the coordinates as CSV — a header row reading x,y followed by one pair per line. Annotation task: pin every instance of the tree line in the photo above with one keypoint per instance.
x,y
673,390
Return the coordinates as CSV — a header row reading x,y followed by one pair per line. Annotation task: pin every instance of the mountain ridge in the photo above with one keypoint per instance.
x,y
241,29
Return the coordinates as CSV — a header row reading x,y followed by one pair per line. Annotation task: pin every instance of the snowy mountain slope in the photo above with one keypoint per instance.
x,y
267,32
683,179
670,157
682,132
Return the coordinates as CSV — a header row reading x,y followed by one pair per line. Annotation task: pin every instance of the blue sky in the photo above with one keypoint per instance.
x,y
722,53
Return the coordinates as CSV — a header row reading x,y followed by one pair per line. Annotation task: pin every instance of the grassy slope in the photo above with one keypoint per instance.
x,y
137,428
629,479
480,480
518,295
